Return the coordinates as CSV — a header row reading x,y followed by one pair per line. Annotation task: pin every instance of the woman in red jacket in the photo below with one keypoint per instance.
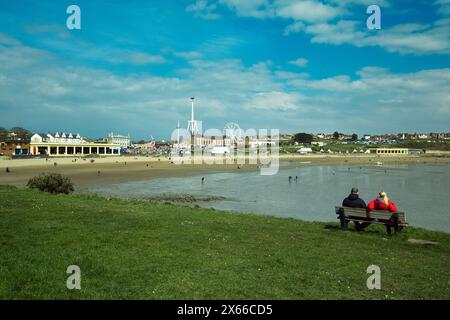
x,y
382,203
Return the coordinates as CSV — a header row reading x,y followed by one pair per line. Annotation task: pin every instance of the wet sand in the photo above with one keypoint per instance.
x,y
105,170
119,169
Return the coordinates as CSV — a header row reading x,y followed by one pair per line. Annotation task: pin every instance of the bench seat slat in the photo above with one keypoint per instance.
x,y
362,213
377,222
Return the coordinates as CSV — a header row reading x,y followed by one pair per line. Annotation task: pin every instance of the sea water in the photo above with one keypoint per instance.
x,y
420,190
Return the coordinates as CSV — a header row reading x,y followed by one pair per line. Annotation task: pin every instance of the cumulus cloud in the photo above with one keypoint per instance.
x,y
250,8
309,11
415,39
300,62
333,22
274,100
136,58
203,9
188,55
43,93
443,7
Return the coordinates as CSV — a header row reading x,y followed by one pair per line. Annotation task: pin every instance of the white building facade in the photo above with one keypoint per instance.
x,y
123,141
61,144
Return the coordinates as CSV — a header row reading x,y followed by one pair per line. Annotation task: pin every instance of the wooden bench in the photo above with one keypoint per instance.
x,y
346,214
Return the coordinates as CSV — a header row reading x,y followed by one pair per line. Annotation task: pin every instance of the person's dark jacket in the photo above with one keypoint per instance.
x,y
354,201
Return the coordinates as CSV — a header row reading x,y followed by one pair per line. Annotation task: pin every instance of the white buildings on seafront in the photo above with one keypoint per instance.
x,y
62,144
123,141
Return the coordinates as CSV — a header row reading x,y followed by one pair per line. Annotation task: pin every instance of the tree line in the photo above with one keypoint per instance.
x,y
20,133
307,138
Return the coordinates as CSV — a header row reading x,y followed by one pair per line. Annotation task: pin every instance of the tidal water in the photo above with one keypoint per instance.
x,y
420,190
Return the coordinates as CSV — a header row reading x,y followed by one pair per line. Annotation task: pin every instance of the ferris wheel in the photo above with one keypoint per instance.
x,y
233,131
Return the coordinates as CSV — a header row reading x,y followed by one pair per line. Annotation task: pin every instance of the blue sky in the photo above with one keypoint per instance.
x,y
296,66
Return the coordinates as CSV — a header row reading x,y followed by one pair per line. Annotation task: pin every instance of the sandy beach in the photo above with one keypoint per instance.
x,y
118,169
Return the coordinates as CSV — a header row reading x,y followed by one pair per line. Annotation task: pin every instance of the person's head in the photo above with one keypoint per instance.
x,y
354,190
382,197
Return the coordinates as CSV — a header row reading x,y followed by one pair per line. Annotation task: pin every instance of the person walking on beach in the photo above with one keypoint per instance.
x,y
354,201
290,179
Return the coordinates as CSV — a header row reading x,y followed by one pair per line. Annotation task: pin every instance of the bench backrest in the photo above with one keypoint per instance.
x,y
362,213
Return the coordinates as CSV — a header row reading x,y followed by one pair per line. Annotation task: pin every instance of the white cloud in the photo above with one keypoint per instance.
x,y
443,7
274,101
305,10
404,38
188,55
329,22
203,9
300,62
55,95
250,8
293,28
8,41
309,11
137,58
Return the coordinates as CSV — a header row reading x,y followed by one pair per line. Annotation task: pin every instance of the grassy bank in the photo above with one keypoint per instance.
x,y
132,249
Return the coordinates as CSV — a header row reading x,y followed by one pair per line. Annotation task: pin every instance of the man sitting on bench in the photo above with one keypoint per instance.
x,y
354,201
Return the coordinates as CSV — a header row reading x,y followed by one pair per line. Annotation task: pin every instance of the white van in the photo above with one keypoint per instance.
x,y
304,150
219,150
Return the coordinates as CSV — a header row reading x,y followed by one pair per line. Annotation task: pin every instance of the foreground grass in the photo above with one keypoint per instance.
x,y
136,250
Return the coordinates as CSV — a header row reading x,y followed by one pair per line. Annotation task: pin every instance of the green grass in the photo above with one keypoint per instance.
x,y
136,250
330,145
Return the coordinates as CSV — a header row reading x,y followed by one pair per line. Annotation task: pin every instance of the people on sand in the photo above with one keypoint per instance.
x,y
354,201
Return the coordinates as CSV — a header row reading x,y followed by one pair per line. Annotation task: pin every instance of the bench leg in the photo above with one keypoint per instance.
x,y
344,223
388,229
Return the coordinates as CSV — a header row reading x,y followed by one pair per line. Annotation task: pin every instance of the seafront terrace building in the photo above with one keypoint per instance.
x,y
388,151
61,145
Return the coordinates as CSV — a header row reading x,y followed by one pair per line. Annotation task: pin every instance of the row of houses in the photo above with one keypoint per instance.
x,y
386,137
416,136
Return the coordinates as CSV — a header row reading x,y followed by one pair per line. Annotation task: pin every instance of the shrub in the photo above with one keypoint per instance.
x,y
51,182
